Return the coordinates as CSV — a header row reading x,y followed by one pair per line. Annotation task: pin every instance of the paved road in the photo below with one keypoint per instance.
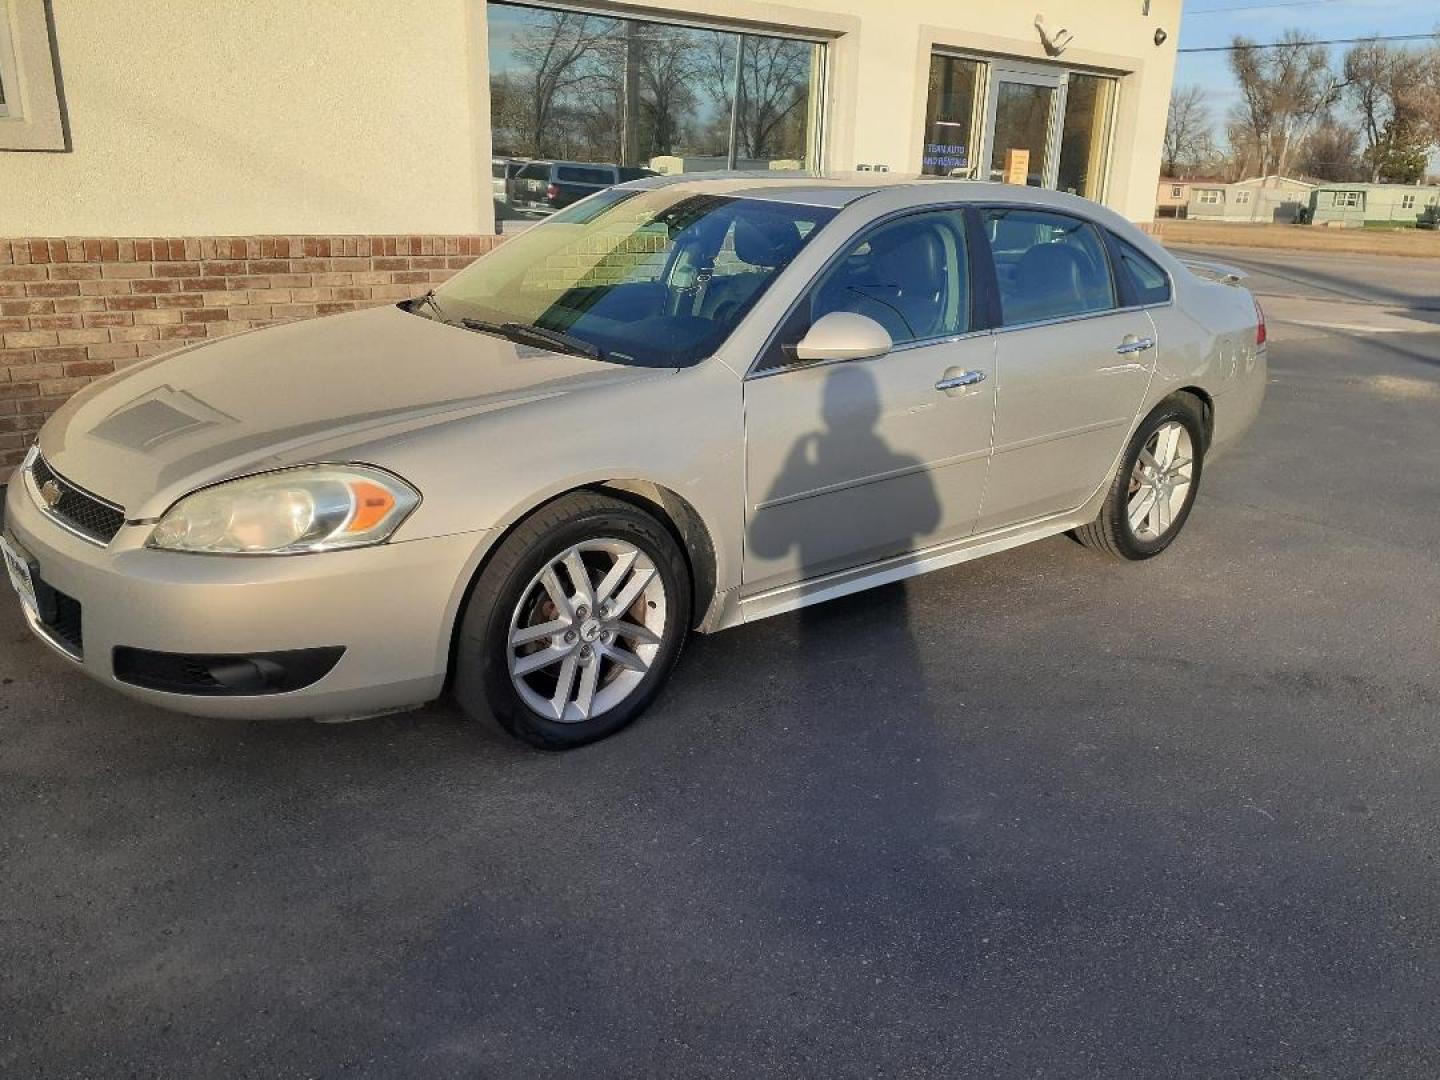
x,y
1042,815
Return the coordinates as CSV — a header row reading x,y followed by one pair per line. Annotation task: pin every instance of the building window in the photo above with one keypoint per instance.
x,y
1176,191
1085,135
1407,202
1347,198
951,123
573,86
29,102
1209,197
1242,198
1037,124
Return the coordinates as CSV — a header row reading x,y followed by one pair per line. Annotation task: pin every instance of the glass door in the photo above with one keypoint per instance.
x,y
1022,131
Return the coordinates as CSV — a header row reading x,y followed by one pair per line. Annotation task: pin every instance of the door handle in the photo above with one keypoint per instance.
x,y
1135,345
964,378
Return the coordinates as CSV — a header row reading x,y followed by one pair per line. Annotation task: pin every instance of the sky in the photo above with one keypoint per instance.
x,y
1215,22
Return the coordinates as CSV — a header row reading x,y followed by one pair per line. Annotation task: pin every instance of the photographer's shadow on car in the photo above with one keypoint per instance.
x,y
809,520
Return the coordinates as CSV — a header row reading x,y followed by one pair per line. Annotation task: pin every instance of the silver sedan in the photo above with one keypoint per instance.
x,y
677,405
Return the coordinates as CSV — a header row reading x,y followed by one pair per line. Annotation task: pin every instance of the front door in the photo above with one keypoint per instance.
x,y
852,461
1072,366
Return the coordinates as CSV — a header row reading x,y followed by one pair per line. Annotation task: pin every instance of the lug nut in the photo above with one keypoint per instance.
x,y
585,651
570,637
582,612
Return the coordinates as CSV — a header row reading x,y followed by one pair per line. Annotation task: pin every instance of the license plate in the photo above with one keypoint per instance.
x,y
19,571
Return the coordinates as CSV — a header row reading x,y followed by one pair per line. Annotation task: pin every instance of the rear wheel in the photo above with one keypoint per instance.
x,y
575,623
1155,486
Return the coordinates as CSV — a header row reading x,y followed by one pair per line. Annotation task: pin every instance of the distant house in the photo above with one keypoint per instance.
x,y
1170,197
1267,199
1356,204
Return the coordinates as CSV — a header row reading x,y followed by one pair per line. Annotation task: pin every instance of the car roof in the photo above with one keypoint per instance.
x,y
842,189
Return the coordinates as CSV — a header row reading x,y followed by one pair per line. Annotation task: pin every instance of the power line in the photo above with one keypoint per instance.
x,y
1266,7
1305,44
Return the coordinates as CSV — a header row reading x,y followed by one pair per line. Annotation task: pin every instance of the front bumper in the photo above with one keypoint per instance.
x,y
391,607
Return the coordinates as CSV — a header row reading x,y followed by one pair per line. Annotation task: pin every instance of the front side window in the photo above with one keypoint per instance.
x,y
910,275
1152,285
1048,266
648,278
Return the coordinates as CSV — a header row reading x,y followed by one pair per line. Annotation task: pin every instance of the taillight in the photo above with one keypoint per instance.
x,y
552,192
1259,324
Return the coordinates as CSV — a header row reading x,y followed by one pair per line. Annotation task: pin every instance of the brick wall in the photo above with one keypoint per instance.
x,y
74,309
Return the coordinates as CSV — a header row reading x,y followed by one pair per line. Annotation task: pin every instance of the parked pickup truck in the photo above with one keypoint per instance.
x,y
543,186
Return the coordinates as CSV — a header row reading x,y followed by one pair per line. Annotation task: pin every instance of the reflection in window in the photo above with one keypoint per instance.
x,y
1022,127
1088,106
950,117
578,87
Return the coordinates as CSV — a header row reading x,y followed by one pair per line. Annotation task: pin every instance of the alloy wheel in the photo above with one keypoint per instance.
x,y
1160,481
586,630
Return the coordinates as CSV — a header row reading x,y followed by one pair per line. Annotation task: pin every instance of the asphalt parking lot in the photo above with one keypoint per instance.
x,y
1038,815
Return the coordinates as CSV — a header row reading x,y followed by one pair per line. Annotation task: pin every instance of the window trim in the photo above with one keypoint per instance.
x,y
33,117
985,291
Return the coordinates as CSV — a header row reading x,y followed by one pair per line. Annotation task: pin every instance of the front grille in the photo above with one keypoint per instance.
x,y
75,508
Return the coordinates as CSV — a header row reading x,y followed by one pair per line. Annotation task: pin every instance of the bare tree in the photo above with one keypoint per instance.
x,y
1189,132
668,71
1393,92
1332,152
774,89
556,54
1284,90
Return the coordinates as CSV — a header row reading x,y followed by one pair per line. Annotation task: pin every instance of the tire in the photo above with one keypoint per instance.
x,y
527,626
1113,531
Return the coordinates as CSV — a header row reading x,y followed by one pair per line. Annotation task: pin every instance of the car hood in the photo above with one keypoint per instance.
x,y
293,394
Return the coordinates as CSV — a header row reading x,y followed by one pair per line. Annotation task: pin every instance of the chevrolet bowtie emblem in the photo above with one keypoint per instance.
x,y
50,492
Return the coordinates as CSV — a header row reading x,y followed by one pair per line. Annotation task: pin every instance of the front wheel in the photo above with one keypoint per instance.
x,y
1155,486
575,623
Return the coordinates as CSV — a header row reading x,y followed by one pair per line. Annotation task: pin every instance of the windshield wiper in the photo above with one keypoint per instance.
x,y
537,335
428,300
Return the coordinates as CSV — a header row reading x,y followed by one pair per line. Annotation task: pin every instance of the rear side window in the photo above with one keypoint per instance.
x,y
1152,286
585,176
1048,266
534,172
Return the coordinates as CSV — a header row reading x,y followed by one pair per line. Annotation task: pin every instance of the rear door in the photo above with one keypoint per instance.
x,y
1073,364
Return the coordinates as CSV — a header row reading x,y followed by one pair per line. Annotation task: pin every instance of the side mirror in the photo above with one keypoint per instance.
x,y
843,335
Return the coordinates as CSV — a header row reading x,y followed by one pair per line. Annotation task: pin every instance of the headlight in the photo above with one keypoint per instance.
x,y
310,508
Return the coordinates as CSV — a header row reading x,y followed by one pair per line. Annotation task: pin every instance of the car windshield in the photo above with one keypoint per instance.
x,y
655,278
